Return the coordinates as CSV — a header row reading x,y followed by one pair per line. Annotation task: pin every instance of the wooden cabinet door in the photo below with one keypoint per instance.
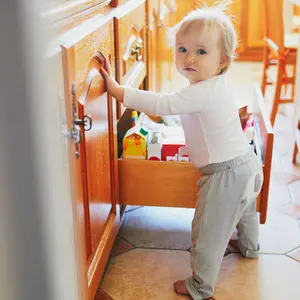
x,y
152,52
131,45
94,153
164,51
255,23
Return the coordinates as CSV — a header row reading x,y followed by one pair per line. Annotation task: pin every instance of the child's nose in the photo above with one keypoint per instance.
x,y
190,58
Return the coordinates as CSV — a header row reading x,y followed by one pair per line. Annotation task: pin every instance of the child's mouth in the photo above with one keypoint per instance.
x,y
189,70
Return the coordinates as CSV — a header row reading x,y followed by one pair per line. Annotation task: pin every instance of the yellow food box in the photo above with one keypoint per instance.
x,y
135,143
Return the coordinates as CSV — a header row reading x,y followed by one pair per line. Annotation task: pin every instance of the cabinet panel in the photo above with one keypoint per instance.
x,y
95,151
164,51
95,144
152,49
255,24
130,41
130,46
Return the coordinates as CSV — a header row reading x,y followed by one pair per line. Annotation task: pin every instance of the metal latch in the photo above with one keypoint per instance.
x,y
75,132
86,122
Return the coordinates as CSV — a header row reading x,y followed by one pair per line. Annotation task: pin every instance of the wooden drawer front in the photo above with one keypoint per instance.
x,y
86,94
160,183
131,44
263,139
115,3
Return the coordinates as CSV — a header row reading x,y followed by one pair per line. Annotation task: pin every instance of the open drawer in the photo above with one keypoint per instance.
x,y
174,184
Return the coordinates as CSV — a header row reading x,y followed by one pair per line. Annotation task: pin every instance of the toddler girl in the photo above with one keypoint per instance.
x,y
205,43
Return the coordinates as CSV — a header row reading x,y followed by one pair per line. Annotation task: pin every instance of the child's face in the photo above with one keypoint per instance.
x,y
198,54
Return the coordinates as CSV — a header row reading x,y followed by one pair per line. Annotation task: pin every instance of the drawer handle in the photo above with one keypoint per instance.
x,y
137,51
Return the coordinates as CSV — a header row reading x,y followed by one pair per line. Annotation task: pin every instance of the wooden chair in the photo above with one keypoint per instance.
x,y
280,50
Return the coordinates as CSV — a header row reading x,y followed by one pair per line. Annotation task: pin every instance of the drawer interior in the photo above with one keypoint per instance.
x,y
154,183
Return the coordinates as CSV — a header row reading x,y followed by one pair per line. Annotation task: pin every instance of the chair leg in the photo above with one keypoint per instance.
x,y
295,153
294,85
277,95
296,150
265,67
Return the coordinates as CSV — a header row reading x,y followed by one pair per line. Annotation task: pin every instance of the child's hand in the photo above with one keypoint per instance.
x,y
106,66
112,86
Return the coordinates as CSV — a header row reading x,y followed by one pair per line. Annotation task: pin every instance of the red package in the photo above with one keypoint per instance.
x,y
170,150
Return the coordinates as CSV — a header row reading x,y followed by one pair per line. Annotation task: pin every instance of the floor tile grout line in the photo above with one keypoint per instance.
x,y
279,209
298,247
125,240
291,193
105,294
133,209
293,258
165,249
267,253
125,251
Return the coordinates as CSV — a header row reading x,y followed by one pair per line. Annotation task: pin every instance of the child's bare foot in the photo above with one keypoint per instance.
x,y
179,288
234,246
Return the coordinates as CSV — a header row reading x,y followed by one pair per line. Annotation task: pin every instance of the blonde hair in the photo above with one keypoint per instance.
x,y
213,16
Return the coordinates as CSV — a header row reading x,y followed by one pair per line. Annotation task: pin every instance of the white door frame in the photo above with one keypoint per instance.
x,y
38,258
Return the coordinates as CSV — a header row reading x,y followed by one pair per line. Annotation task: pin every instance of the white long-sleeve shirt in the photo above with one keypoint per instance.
x,y
209,117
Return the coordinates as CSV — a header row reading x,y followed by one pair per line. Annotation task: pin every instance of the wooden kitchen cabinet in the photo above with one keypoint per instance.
x,y
133,35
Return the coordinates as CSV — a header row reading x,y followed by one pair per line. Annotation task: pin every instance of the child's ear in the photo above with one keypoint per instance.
x,y
223,64
222,68
224,61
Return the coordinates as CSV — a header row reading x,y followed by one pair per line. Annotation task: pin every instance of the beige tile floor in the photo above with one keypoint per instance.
x,y
151,250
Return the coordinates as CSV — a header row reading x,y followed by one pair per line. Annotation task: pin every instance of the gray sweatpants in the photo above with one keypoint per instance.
x,y
226,200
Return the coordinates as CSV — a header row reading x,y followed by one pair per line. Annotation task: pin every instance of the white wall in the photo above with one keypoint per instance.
x,y
37,252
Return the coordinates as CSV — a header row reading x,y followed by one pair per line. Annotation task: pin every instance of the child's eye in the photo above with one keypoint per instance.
x,y
201,51
182,49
